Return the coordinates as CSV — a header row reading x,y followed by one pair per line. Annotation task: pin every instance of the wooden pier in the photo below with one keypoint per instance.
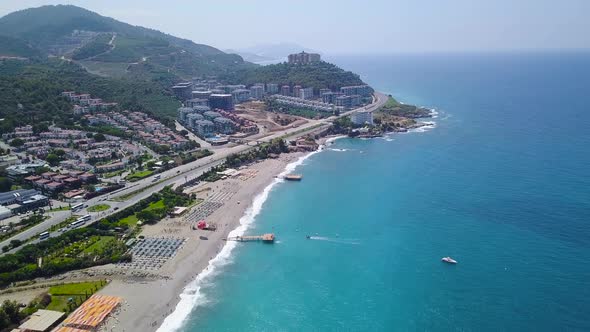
x,y
293,177
266,238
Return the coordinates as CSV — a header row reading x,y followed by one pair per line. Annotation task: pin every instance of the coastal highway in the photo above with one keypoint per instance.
x,y
178,175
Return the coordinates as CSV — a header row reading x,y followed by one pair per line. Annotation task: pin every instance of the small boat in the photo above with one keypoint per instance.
x,y
308,237
449,260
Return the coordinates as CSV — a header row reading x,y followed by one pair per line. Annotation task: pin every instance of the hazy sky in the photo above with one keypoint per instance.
x,y
356,26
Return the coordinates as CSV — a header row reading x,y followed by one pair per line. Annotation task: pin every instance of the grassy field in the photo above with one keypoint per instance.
x,y
130,221
155,205
99,208
100,245
67,297
136,176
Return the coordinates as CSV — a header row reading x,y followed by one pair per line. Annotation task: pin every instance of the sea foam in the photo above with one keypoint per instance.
x,y
426,126
192,295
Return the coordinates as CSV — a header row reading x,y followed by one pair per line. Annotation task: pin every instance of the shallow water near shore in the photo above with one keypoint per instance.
x,y
500,183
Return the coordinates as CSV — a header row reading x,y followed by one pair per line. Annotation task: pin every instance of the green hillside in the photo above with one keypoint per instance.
x,y
30,92
317,75
82,35
15,47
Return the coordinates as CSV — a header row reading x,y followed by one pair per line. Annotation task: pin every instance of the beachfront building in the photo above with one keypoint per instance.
x,y
306,93
362,117
230,88
201,94
303,103
221,101
240,95
196,102
257,92
272,88
183,90
210,115
204,128
183,112
330,97
42,320
348,101
297,91
286,90
192,119
224,125
361,90
304,58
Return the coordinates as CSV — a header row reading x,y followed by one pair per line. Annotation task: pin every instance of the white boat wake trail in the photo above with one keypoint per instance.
x,y
335,240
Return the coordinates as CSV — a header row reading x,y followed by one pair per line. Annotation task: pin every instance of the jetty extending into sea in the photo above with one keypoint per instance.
x,y
266,238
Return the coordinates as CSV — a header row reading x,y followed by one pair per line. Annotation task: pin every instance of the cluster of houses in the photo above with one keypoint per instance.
x,y
81,151
140,125
205,122
84,103
53,183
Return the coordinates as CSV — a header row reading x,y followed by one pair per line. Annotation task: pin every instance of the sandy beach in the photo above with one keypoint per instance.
x,y
151,295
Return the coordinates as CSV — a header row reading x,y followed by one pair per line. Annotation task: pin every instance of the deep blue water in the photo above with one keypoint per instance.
x,y
501,184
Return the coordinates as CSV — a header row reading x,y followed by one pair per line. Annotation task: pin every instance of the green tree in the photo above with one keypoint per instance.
x,y
52,159
5,184
4,320
15,243
17,142
147,216
99,137
11,309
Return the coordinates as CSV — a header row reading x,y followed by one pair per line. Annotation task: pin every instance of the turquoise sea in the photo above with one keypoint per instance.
x,y
501,183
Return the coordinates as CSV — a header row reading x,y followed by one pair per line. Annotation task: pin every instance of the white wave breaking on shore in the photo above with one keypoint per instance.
x,y
426,126
192,296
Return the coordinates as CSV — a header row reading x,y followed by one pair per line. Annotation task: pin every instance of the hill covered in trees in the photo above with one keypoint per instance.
x,y
82,35
30,92
317,75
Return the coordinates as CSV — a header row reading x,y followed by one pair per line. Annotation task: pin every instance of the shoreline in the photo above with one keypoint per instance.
x,y
162,300
190,300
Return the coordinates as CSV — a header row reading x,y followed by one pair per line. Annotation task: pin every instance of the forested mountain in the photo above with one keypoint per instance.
x,y
30,92
317,75
62,48
106,46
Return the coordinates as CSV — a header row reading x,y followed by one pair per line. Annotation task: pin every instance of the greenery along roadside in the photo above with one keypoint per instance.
x,y
275,146
99,208
59,254
82,248
148,210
